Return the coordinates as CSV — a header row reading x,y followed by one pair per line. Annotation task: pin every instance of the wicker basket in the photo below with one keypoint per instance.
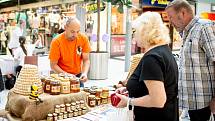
x,y
134,62
27,77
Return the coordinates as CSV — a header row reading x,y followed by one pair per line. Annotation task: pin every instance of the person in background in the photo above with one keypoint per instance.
x,y
196,62
69,51
15,34
152,87
22,51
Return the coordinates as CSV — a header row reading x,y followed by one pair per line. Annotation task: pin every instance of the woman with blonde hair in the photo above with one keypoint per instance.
x,y
152,87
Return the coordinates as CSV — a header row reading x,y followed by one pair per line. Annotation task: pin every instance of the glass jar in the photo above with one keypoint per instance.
x,y
65,86
86,89
74,85
64,115
92,91
104,100
81,104
54,116
73,106
55,87
98,92
49,117
60,116
62,108
79,111
98,101
75,113
47,85
70,114
84,110
92,100
87,96
43,80
77,104
105,92
68,107
57,109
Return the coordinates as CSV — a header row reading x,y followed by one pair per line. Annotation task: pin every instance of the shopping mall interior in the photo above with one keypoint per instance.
x,y
109,32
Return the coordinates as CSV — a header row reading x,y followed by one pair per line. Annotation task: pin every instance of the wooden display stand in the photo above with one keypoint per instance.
x,y
25,109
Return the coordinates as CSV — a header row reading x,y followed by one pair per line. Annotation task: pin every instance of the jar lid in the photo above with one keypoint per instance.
x,y
98,98
62,105
68,104
65,112
54,114
105,89
73,103
50,115
60,113
77,102
82,101
84,108
92,96
79,109
57,106
98,90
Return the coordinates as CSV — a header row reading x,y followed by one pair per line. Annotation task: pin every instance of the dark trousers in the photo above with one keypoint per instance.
x,y
81,83
200,114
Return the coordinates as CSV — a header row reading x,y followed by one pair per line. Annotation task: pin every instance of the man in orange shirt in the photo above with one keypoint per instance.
x,y
69,51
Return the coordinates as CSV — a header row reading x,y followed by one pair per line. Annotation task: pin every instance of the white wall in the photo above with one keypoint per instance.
x,y
202,7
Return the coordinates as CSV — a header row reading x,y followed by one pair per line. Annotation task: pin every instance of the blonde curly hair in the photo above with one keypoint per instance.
x,y
150,30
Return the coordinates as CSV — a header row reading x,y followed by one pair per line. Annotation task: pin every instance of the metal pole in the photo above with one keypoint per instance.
x,y
108,27
98,27
128,40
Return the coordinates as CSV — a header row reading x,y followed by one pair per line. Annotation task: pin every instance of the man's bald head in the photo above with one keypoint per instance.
x,y
72,28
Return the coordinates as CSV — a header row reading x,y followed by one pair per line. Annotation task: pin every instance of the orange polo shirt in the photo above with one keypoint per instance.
x,y
69,53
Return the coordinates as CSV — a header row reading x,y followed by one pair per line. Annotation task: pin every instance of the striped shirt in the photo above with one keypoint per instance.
x,y
196,65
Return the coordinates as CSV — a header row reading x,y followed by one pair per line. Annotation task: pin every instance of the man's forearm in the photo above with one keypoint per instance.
x,y
57,69
86,66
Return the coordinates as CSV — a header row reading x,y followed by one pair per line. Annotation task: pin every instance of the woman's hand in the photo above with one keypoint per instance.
x,y
123,101
122,90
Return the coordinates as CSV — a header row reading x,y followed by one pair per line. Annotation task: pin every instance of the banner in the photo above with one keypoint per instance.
x,y
156,3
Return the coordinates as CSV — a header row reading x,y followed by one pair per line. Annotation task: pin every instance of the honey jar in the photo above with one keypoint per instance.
x,y
57,109
47,85
81,104
73,106
54,116
74,85
84,110
55,87
104,100
65,86
62,108
60,116
105,92
77,104
92,91
49,117
68,107
98,92
98,101
70,114
92,100
79,111
86,89
64,115
75,113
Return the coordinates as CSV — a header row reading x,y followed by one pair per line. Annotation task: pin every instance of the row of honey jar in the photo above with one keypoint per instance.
x,y
66,114
93,101
67,111
63,86
98,92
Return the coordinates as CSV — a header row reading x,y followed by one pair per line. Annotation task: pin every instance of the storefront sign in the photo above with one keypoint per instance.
x,y
92,7
157,3
118,45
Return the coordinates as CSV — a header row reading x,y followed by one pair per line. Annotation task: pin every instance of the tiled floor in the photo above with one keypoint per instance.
x,y
115,73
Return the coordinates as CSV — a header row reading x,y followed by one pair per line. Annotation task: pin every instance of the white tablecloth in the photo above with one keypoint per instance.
x,y
7,64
